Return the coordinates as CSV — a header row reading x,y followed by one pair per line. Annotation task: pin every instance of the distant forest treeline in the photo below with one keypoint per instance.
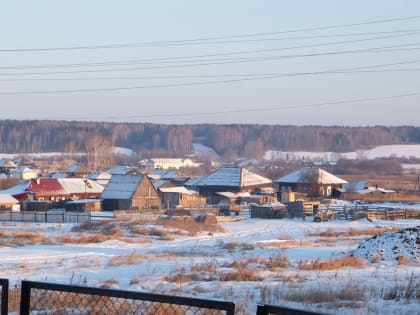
x,y
176,140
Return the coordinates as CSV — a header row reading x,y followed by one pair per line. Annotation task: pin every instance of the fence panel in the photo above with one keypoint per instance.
x,y
279,310
4,285
48,298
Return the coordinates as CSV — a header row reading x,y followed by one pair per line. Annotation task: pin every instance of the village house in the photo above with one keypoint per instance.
x,y
6,166
24,173
130,192
55,189
313,181
229,179
77,170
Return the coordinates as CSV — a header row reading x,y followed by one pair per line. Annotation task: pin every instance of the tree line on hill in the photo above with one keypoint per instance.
x,y
229,141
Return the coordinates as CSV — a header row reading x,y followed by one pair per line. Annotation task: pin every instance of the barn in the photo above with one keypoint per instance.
x,y
130,192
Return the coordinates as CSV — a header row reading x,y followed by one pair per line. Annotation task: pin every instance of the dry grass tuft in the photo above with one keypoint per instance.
x,y
354,232
129,259
21,238
331,264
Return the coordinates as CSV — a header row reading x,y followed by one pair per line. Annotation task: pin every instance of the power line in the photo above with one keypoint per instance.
x,y
203,82
263,109
182,58
206,39
196,63
202,76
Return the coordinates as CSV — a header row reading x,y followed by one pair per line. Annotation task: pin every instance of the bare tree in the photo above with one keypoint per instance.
x,y
99,153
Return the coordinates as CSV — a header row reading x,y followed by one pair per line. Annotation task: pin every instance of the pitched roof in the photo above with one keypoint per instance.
x,y
233,177
6,198
80,185
119,170
310,175
122,186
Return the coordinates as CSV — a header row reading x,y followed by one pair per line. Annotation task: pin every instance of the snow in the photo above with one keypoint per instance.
x,y
123,151
88,263
179,190
384,151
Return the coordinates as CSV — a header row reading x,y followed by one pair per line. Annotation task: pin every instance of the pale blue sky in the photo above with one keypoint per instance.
x,y
294,99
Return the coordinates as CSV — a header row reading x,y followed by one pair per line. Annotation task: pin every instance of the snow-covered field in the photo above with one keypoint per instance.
x,y
297,263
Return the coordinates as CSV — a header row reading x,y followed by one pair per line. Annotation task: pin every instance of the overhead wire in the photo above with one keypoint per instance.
x,y
182,59
207,39
259,109
204,82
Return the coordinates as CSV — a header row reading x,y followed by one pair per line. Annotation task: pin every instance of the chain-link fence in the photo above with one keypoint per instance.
x,y
56,299
278,310
4,291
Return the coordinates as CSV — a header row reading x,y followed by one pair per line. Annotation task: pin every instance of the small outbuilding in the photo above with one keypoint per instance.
x,y
7,202
173,197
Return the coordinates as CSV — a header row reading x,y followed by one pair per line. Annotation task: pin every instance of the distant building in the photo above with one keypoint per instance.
x,y
24,173
167,163
6,166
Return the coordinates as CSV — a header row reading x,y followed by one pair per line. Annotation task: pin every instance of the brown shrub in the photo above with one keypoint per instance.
x,y
403,260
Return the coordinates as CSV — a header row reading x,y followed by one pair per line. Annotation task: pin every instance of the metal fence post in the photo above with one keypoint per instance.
x,y
4,283
25,298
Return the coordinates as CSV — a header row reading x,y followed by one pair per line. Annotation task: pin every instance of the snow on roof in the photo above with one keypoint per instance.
x,y
6,198
122,186
59,175
16,190
229,194
180,190
354,186
194,181
233,177
159,183
99,175
310,175
80,185
119,170
7,163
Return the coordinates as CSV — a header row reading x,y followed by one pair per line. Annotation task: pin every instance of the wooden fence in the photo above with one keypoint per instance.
x,y
47,217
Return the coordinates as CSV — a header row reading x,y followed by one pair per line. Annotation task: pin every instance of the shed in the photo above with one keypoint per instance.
x,y
173,197
130,192
7,202
84,205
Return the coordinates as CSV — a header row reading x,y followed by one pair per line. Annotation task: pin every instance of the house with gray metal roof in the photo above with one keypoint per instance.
x,y
230,179
313,181
130,192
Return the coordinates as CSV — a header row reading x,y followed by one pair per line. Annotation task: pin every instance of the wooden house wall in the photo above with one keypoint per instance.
x,y
146,196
